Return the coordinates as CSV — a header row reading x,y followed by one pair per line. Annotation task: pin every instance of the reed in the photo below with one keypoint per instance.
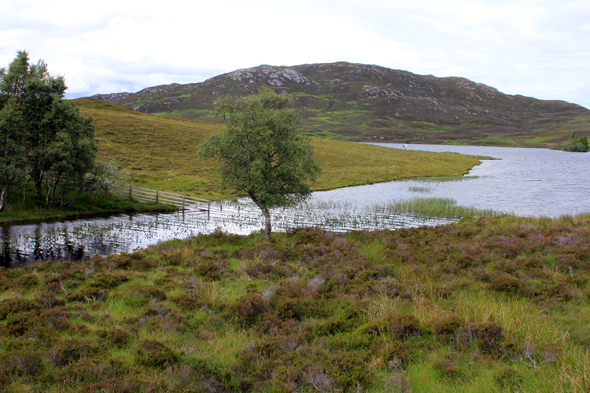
x,y
436,207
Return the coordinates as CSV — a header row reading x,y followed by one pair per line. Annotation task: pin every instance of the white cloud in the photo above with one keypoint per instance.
x,y
529,47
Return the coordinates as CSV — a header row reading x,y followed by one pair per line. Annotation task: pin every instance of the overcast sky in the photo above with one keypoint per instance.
x,y
537,48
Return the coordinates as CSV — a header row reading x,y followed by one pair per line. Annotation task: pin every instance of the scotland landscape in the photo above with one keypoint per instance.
x,y
490,303
361,102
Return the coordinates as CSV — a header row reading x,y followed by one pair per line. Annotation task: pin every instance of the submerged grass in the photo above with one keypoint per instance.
x,y
419,189
481,305
436,207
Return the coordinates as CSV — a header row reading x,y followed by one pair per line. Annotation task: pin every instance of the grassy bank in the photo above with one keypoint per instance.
x,y
160,152
494,304
33,210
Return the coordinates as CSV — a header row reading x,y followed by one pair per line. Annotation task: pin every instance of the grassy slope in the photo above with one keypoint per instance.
x,y
160,152
426,109
485,305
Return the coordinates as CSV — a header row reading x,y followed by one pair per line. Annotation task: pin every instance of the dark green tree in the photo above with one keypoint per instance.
x,y
12,150
263,153
59,143
576,143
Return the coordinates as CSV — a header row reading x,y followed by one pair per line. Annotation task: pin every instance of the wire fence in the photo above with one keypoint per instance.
x,y
181,201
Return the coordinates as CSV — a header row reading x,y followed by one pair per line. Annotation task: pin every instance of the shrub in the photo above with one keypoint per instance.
x,y
108,280
447,368
15,305
404,326
56,318
71,350
137,261
348,369
154,353
507,377
185,302
94,293
446,326
394,353
337,323
213,269
486,335
28,280
117,337
291,308
150,292
268,269
247,309
86,370
22,362
502,282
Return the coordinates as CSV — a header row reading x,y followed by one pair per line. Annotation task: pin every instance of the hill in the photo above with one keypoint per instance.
x,y
160,152
372,103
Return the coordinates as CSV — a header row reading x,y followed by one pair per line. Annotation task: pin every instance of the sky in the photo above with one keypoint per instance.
x,y
536,48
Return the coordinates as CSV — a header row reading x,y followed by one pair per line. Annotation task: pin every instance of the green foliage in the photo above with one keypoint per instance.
x,y
262,151
12,148
577,143
43,133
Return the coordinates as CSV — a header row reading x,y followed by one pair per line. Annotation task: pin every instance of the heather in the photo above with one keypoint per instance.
x,y
495,304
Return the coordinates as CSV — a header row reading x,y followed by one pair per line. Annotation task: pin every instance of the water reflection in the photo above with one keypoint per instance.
x,y
527,182
81,239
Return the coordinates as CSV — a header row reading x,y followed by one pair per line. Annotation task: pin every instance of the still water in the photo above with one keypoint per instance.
x,y
525,182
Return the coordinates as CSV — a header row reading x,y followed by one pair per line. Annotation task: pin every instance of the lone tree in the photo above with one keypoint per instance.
x,y
263,152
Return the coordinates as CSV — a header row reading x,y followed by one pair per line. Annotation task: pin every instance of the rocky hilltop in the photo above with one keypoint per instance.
x,y
111,97
373,103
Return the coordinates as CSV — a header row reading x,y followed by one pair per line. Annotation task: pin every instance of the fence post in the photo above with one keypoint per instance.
x,y
157,196
183,198
130,191
208,209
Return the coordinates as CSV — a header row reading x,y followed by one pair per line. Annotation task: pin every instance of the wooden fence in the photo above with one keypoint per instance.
x,y
183,202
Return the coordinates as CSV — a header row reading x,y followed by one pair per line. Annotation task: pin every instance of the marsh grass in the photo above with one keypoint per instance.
x,y
375,252
435,207
517,316
419,189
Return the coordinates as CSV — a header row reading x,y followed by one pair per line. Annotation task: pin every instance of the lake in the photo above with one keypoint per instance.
x,y
525,182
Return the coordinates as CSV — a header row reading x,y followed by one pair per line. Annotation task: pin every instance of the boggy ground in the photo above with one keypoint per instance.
x,y
485,305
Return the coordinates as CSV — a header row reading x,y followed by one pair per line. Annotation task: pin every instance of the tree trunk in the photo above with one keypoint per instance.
x,y
3,196
38,183
267,226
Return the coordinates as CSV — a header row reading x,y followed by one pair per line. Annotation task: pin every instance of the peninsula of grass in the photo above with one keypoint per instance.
x,y
160,153
489,304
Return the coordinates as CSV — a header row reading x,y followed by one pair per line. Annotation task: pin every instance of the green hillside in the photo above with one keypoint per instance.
x,y
160,152
371,103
